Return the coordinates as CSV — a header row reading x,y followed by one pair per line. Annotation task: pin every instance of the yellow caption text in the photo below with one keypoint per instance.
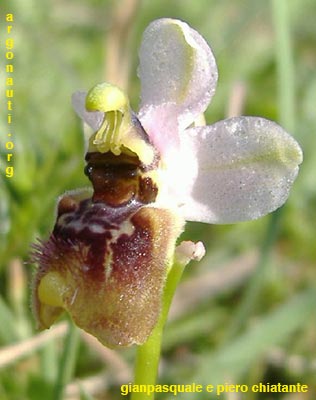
x,y
215,389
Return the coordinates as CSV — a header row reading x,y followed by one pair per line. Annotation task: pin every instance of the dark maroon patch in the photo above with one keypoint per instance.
x,y
88,225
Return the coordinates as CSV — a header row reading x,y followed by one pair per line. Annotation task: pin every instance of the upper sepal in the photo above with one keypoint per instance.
x,y
176,67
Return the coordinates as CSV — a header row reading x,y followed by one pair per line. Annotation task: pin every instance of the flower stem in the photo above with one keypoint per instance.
x,y
148,355
67,361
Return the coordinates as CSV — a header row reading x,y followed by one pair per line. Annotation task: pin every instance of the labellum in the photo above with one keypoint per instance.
x,y
107,258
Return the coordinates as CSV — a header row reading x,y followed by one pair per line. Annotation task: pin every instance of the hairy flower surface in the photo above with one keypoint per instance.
x,y
108,256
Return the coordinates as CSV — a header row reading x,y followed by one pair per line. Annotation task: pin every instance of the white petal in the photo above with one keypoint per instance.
x,y
246,168
161,125
176,66
93,119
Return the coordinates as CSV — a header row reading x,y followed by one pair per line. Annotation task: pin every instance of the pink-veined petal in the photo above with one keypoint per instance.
x,y
94,118
176,66
246,168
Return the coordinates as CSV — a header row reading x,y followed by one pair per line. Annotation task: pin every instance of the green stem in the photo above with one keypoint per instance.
x,y
148,355
285,63
67,361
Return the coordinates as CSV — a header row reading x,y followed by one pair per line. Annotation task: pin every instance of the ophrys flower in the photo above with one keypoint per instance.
x,y
108,256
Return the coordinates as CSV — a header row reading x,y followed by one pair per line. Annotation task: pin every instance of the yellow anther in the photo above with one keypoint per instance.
x,y
106,97
117,133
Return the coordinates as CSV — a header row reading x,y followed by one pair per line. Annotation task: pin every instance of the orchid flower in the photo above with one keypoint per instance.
x,y
107,259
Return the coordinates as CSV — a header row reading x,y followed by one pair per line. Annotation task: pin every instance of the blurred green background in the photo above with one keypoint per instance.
x,y
244,314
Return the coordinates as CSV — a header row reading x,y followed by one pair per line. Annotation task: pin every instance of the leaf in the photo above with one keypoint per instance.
x,y
232,360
